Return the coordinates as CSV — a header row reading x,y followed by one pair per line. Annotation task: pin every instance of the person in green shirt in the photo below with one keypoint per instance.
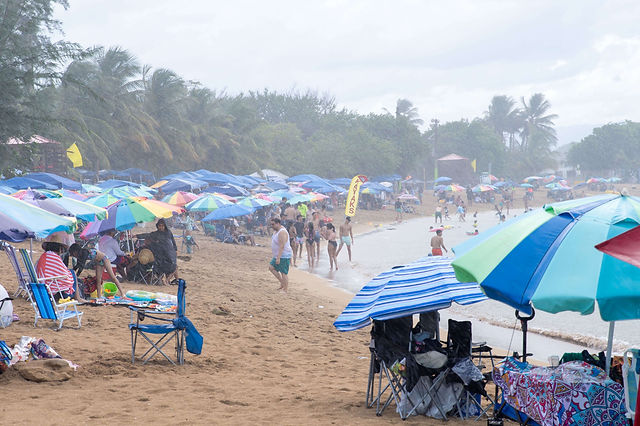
x,y
302,208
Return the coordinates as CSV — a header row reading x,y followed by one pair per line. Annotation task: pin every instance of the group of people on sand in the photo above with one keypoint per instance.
x,y
289,237
63,282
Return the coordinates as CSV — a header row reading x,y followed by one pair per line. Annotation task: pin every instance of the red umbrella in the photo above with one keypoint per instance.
x,y
625,247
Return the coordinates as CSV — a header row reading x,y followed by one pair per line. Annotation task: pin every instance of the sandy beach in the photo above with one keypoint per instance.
x,y
268,357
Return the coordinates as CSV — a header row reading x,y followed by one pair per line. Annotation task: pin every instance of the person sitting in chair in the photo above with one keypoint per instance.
x,y
50,265
165,250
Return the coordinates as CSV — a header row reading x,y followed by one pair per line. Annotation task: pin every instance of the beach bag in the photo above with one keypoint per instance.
x,y
89,285
6,308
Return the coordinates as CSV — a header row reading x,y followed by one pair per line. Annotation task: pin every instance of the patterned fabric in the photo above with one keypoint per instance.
x,y
573,393
50,265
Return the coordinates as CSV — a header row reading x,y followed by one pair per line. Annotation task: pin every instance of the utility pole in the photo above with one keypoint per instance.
x,y
434,127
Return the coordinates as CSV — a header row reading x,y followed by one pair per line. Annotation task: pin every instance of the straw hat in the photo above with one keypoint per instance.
x,y
57,237
145,256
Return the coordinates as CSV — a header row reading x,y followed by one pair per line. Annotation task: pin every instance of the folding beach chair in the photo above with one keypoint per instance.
x,y
21,274
46,307
32,275
630,375
167,328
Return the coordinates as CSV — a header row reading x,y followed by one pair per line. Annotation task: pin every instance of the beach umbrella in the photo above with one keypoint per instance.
x,y
126,213
71,194
66,207
594,180
6,190
546,259
206,203
266,198
180,198
549,178
86,188
159,183
226,212
254,203
20,220
492,178
443,179
408,197
300,198
103,200
526,185
428,284
615,179
280,194
454,188
531,179
315,196
24,183
483,188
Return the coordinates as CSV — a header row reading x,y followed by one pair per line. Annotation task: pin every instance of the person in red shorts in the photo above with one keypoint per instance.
x,y
437,244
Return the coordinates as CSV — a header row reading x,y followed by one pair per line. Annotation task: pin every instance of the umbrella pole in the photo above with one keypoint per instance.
x,y
612,325
523,323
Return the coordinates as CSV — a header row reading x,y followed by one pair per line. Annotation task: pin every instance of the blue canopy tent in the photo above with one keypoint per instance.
x,y
428,284
228,211
340,181
55,180
183,185
223,179
229,189
386,178
24,183
443,179
376,186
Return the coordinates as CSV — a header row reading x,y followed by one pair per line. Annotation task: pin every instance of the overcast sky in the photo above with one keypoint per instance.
x,y
448,58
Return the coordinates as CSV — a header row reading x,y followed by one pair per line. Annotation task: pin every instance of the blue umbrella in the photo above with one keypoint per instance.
x,y
443,179
225,212
6,190
24,183
229,189
428,284
55,180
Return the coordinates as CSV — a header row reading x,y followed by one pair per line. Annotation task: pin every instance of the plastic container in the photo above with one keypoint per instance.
x,y
109,289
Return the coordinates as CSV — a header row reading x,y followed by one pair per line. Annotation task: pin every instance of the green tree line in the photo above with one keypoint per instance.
x,y
124,114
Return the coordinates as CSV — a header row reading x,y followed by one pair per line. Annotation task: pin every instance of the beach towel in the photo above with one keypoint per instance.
x,y
194,339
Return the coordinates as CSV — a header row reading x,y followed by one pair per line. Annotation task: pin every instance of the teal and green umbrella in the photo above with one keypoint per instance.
x,y
207,203
546,259
20,220
104,200
254,203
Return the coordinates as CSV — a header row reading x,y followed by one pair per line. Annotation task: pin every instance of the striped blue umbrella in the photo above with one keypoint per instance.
x,y
428,284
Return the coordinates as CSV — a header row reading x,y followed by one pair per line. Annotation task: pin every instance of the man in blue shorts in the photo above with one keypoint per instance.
x,y
281,250
346,236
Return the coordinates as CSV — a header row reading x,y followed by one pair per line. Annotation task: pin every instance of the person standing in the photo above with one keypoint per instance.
x,y
281,251
317,227
108,245
293,241
332,246
346,236
438,213
302,209
290,213
398,207
437,244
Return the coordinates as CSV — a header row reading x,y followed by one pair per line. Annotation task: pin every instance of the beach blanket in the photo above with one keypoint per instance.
x,y
36,349
573,393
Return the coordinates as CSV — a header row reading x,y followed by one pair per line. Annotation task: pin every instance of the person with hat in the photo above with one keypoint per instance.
x,y
50,267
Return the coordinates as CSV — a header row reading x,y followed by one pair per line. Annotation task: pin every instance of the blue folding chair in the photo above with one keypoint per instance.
x,y
46,307
167,328
22,275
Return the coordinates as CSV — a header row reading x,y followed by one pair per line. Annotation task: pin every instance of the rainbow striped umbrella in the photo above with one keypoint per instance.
x,y
180,198
454,188
546,259
103,200
207,203
483,188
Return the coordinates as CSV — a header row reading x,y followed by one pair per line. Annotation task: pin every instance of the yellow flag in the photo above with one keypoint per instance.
x,y
73,153
354,193
473,164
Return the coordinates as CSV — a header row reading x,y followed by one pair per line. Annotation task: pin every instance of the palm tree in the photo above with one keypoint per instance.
x,y
505,118
537,121
406,110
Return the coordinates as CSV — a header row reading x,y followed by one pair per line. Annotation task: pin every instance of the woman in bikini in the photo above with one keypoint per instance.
x,y
332,246
101,261
309,241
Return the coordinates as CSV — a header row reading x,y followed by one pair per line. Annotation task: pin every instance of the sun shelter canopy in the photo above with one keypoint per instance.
x,y
20,220
24,183
428,284
55,180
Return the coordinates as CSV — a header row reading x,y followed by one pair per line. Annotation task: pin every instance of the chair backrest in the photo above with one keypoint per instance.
x,y
28,264
43,300
459,339
182,285
23,277
630,374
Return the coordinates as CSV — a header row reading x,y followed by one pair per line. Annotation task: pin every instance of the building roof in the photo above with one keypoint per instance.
x,y
452,157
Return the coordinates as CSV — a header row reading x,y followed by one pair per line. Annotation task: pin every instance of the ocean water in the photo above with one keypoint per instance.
x,y
493,322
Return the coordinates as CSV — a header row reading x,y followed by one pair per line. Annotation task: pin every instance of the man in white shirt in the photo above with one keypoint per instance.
x,y
111,249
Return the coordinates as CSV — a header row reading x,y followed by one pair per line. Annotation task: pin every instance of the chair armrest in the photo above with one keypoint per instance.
x,y
72,302
57,277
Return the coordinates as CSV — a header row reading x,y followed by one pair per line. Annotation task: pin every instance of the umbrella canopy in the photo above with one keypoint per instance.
x,y
595,180
492,178
408,197
443,179
20,220
6,190
206,203
546,258
454,188
55,180
24,183
126,213
625,247
180,198
280,194
254,203
225,212
103,200
483,188
66,207
526,185
91,189
531,179
300,198
228,189
426,285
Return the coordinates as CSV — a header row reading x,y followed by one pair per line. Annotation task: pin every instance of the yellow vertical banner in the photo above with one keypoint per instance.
x,y
73,154
473,164
354,194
